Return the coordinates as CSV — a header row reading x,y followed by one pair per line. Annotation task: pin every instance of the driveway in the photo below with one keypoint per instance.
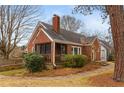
x,y
79,79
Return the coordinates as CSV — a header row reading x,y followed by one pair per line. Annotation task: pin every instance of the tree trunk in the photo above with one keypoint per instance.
x,y
6,56
117,24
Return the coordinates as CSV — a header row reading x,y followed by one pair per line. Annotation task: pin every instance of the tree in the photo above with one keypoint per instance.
x,y
116,15
108,37
15,21
70,23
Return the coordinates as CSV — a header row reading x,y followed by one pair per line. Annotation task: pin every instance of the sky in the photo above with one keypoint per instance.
x,y
92,23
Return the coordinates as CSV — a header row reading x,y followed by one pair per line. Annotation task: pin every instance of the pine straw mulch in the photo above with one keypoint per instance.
x,y
65,71
53,72
105,80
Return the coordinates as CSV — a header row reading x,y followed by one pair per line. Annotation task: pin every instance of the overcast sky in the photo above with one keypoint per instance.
x,y
92,23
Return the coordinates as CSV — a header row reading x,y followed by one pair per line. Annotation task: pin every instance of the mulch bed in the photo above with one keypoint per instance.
x,y
105,80
64,71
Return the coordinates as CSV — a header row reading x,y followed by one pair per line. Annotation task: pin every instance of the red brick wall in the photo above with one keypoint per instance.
x,y
87,50
38,37
69,49
96,46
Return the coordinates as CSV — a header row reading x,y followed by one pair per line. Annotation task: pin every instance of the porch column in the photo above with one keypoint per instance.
x,y
53,53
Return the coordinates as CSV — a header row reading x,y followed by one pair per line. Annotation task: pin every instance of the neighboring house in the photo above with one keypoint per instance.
x,y
52,42
106,49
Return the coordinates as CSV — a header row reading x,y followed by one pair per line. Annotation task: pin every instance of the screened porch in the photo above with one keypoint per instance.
x,y
51,52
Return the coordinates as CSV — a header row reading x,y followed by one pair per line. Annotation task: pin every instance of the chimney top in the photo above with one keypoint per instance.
x,y
56,23
55,15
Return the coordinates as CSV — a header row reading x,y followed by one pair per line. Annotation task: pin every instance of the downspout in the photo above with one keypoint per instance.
x,y
53,54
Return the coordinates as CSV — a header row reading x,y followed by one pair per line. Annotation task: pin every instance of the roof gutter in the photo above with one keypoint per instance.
x,y
67,42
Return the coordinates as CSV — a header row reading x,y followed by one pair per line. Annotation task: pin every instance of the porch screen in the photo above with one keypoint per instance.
x,y
43,48
60,48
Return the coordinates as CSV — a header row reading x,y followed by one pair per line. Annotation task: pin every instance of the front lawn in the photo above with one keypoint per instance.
x,y
53,72
31,82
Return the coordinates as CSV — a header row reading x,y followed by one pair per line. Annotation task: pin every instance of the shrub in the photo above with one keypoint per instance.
x,y
23,54
80,60
34,62
75,60
68,60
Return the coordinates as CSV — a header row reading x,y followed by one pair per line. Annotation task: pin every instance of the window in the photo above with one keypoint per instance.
x,y
63,49
60,48
76,50
48,48
37,48
43,48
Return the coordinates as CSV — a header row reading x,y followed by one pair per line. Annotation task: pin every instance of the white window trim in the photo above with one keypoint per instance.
x,y
79,50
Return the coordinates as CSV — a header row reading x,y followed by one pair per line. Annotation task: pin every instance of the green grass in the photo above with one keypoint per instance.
x,y
17,72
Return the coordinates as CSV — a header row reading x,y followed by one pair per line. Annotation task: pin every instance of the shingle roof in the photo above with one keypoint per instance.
x,y
105,44
63,35
90,39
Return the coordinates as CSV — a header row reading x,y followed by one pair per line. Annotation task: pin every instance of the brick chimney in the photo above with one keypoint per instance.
x,y
56,23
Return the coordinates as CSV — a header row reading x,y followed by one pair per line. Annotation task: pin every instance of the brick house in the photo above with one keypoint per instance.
x,y
52,42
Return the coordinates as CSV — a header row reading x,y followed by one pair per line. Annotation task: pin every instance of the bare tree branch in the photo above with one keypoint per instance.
x,y
70,23
14,21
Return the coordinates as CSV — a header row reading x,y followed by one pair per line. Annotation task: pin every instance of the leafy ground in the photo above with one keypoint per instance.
x,y
104,80
52,72
24,82
81,79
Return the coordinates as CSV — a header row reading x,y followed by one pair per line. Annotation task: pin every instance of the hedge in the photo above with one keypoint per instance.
x,y
75,60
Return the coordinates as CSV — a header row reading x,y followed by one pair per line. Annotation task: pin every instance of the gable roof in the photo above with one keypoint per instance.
x,y
91,39
63,35
106,45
